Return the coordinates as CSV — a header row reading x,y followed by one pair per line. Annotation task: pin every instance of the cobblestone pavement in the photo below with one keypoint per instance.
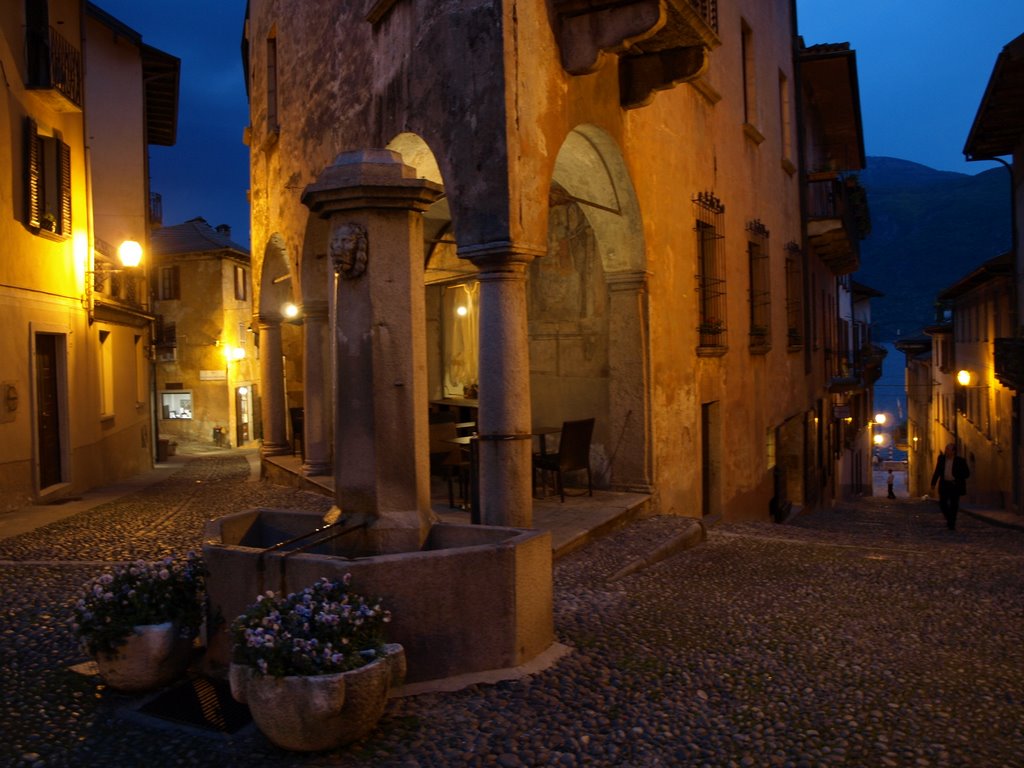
x,y
864,636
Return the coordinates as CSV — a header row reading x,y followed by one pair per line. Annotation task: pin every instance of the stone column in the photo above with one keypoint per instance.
x,y
504,421
382,473
316,441
275,433
629,424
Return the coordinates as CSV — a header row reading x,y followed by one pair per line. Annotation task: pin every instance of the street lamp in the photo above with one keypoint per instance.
x,y
963,378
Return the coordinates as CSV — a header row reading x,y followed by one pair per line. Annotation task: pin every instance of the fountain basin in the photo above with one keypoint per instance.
x,y
473,598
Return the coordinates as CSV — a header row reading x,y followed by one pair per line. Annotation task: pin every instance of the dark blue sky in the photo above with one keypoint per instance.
x,y
923,67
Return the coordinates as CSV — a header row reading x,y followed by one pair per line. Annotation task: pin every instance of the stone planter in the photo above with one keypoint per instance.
x,y
152,656
319,712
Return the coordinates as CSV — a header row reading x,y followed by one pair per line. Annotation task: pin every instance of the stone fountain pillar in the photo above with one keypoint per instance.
x,y
374,204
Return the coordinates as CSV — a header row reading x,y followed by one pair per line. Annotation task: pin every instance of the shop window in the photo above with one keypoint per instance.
x,y
461,325
176,405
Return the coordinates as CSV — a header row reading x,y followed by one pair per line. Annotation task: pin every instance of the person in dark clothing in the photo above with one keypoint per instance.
x,y
951,473
889,481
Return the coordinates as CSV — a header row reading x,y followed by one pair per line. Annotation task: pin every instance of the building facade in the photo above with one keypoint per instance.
x,y
206,356
643,212
84,99
997,133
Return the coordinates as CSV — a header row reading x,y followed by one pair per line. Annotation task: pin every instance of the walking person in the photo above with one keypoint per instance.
x,y
951,473
889,481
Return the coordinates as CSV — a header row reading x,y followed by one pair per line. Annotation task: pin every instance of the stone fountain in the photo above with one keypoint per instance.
x,y
464,598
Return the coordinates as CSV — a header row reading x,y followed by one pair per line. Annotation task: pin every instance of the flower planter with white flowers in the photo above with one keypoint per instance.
x,y
139,621
313,667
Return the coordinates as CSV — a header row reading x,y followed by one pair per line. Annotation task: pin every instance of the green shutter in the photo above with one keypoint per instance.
x,y
33,176
64,161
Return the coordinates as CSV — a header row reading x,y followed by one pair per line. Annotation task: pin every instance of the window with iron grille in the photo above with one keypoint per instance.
x,y
794,295
760,286
48,181
709,213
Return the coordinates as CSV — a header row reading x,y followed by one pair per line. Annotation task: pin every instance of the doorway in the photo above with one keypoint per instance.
x,y
243,407
49,350
711,459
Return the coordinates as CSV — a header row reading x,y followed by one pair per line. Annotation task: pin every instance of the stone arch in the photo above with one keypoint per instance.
x,y
595,363
275,291
275,278
443,268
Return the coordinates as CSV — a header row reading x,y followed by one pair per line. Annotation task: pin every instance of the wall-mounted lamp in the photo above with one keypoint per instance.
x,y
130,253
289,310
233,353
880,418
963,378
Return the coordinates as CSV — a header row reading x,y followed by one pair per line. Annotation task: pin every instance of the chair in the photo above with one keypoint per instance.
x,y
298,419
448,460
573,455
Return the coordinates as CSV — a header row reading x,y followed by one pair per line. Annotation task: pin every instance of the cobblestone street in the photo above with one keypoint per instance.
x,y
868,635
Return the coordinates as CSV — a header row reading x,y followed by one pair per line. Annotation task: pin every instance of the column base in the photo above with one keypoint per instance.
x,y
315,468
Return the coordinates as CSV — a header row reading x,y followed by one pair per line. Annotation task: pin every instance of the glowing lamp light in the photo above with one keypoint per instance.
x,y
880,418
130,253
963,378
243,390
289,310
234,353
879,439
461,311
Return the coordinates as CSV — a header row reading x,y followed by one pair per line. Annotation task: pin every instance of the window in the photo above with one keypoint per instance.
x,y
786,123
48,182
166,340
106,373
241,283
709,213
169,284
749,81
760,296
461,328
794,295
272,117
176,405
141,380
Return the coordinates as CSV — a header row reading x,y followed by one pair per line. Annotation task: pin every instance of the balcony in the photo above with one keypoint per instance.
x,y
837,220
54,70
1009,363
661,43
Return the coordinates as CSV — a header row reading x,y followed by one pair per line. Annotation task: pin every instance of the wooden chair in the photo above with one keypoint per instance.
x,y
573,455
448,460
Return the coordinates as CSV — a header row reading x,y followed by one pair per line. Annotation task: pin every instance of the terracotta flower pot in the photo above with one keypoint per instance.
x,y
152,656
319,712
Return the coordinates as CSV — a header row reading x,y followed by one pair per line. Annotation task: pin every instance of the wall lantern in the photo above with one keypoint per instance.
x,y
130,253
963,378
289,310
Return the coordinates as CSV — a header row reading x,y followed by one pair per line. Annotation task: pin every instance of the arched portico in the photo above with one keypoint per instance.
x,y
275,291
588,308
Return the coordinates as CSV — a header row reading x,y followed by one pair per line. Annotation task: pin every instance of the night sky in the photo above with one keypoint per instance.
x,y
923,67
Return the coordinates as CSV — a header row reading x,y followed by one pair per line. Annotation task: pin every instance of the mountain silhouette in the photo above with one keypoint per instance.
x,y
929,228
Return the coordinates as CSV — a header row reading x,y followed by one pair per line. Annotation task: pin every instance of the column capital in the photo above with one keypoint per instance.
x,y
369,179
501,255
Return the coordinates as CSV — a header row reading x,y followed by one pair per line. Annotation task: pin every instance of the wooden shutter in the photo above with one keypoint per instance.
x,y
33,176
64,186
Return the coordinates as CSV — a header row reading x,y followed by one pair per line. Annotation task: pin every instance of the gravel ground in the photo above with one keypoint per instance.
x,y
864,636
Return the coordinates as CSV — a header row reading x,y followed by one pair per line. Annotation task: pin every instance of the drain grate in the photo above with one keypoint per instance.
x,y
200,702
